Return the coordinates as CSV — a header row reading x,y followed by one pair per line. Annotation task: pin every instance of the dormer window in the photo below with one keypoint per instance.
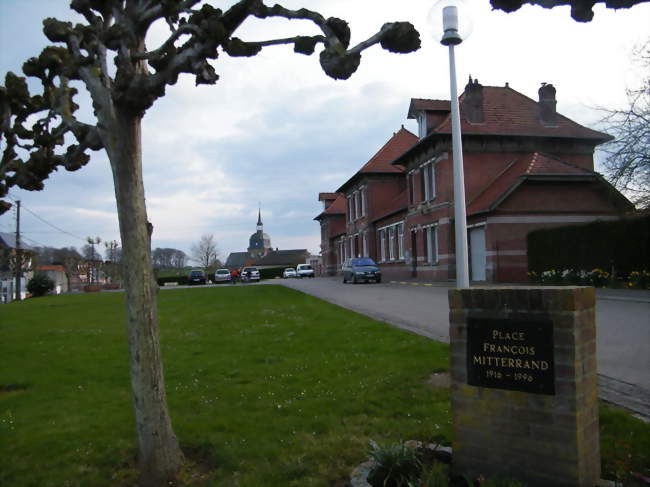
x,y
422,125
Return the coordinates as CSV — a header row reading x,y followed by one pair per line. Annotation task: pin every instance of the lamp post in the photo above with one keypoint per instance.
x,y
451,38
93,270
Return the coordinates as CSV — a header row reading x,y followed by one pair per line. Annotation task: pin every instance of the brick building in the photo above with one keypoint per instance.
x,y
526,167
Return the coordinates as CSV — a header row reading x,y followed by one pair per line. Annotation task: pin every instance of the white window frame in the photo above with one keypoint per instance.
x,y
391,238
400,241
410,183
357,205
365,244
432,244
428,171
363,202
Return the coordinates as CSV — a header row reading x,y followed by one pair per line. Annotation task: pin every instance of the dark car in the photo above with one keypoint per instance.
x,y
196,277
361,269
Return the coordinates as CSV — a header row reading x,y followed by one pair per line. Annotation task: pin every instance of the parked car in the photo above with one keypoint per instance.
x,y
361,269
222,275
196,277
304,270
289,272
250,274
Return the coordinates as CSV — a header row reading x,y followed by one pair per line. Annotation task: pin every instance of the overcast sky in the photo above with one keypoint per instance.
x,y
276,131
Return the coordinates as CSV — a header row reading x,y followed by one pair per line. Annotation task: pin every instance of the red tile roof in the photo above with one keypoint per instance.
x,y
531,164
59,268
396,205
508,112
399,143
336,208
543,164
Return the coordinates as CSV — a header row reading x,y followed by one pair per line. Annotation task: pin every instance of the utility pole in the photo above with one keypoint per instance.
x,y
19,257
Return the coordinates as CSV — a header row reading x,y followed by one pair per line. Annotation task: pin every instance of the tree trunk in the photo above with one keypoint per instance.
x,y
159,454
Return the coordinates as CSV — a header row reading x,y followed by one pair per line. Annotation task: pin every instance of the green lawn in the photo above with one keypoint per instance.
x,y
267,387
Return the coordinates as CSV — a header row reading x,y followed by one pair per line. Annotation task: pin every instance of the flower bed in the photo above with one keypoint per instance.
x,y
595,277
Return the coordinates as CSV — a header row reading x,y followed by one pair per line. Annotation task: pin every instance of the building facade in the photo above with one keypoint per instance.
x,y
526,167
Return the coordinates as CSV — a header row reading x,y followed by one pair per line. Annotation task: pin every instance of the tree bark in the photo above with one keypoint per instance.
x,y
160,456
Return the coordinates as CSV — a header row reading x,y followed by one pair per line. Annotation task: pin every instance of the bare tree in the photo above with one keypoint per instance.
x,y
627,162
581,10
168,258
112,265
206,252
107,55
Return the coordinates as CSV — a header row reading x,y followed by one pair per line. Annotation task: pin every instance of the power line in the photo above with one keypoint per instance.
x,y
48,223
32,241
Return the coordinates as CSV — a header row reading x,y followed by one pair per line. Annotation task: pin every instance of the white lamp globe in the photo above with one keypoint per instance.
x,y
450,21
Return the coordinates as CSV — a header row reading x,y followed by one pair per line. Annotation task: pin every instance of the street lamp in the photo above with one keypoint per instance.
x,y
452,37
92,242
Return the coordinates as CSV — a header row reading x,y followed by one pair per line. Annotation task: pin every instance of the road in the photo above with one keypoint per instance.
x,y
622,325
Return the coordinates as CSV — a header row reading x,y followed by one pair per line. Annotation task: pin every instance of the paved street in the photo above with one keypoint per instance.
x,y
623,326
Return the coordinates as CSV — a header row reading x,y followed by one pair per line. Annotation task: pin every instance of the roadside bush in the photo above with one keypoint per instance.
x,y
181,280
40,285
618,247
271,272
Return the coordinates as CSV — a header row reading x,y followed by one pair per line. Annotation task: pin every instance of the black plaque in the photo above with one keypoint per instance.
x,y
510,354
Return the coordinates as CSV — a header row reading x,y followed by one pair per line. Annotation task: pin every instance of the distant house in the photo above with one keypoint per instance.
x,y
261,254
526,167
7,260
58,276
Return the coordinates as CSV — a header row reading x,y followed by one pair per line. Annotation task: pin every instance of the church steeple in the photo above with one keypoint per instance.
x,y
259,220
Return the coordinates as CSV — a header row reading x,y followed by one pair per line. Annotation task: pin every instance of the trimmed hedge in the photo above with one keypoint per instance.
x,y
271,272
181,280
620,246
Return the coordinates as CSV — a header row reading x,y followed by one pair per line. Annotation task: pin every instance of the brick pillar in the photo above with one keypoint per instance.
x,y
524,384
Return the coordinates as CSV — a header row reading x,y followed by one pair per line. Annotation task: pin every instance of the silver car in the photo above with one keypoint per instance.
x,y
250,274
222,275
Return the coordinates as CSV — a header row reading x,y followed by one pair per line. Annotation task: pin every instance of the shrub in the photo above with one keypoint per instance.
x,y
40,285
618,246
181,280
271,272
599,277
395,465
551,277
639,280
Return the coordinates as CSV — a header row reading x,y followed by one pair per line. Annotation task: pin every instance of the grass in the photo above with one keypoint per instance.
x,y
266,386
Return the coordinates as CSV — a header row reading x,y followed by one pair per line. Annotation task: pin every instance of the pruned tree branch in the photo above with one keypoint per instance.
x,y
581,10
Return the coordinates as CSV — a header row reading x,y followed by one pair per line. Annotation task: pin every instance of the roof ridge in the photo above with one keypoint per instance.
x,y
491,183
386,146
561,161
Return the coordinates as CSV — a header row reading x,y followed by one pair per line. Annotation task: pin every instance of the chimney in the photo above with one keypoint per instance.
x,y
472,107
547,102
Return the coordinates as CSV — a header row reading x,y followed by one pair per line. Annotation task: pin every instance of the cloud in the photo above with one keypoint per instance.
x,y
276,130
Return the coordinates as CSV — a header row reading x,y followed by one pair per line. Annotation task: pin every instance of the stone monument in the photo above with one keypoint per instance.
x,y
524,384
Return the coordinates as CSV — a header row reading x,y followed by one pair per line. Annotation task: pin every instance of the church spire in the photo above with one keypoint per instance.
x,y
259,220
